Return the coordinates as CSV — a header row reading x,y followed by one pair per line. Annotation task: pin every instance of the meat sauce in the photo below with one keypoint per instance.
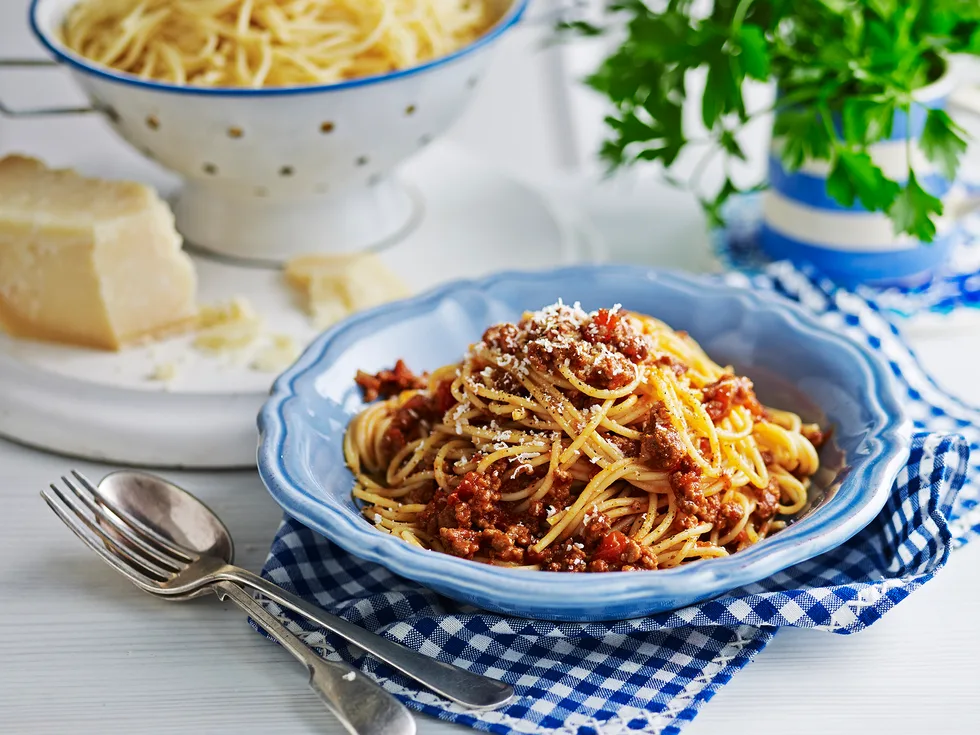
x,y
728,391
388,383
470,519
602,351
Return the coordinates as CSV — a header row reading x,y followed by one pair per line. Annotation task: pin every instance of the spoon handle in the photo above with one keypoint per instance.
x,y
469,689
362,707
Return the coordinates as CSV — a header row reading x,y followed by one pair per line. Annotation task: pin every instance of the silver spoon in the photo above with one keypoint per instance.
x,y
160,507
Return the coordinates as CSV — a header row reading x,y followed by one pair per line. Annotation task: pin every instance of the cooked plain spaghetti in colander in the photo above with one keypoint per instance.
x,y
269,43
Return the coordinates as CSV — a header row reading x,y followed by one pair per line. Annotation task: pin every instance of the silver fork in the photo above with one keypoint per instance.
x,y
158,565
361,705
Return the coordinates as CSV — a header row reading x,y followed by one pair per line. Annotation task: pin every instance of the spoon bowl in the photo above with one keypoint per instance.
x,y
174,514
171,511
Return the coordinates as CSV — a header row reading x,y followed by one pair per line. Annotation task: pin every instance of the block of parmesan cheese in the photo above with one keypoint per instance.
x,y
88,262
334,286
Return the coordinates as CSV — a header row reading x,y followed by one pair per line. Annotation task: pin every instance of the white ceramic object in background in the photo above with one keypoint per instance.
x,y
277,172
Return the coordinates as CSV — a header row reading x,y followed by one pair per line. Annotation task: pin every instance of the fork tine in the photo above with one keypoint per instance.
x,y
117,549
74,514
91,540
107,515
144,531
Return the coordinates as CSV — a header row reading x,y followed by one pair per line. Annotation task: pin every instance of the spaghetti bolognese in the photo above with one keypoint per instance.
x,y
575,441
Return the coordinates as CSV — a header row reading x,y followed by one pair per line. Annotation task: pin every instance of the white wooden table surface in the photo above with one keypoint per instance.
x,y
82,651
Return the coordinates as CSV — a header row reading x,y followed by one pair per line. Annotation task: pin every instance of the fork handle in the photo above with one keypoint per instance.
x,y
466,688
362,707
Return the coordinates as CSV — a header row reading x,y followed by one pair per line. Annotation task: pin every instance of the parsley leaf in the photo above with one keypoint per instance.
x,y
837,6
884,8
722,91
730,145
913,209
839,184
754,52
802,136
866,121
854,175
942,142
581,27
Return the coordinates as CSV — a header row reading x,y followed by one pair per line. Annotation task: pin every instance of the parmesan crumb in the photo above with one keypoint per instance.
x,y
331,287
163,373
349,676
276,356
226,327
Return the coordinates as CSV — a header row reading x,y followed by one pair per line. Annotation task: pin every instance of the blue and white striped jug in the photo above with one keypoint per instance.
x,y
804,224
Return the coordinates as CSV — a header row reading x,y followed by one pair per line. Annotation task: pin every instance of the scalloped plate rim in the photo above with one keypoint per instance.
x,y
887,446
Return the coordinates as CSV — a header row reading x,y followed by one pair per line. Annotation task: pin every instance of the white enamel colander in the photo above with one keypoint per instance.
x,y
272,173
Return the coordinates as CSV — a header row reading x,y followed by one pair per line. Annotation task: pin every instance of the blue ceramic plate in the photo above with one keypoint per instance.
x,y
795,361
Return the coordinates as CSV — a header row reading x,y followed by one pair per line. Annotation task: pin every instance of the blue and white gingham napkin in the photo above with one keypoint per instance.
x,y
652,675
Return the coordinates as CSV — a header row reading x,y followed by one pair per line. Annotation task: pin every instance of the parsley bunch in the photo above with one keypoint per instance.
x,y
842,68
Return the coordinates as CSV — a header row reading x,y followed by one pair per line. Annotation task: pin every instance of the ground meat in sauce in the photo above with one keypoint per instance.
x,y
661,446
504,337
460,541
609,373
767,500
614,329
675,365
563,556
729,514
596,528
815,434
602,349
686,483
422,494
611,550
410,421
470,520
471,505
503,381
510,545
516,476
728,391
388,383
629,447
414,418
557,497
600,549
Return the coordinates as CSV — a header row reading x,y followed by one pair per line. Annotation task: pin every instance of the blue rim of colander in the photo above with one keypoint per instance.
x,y
514,13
